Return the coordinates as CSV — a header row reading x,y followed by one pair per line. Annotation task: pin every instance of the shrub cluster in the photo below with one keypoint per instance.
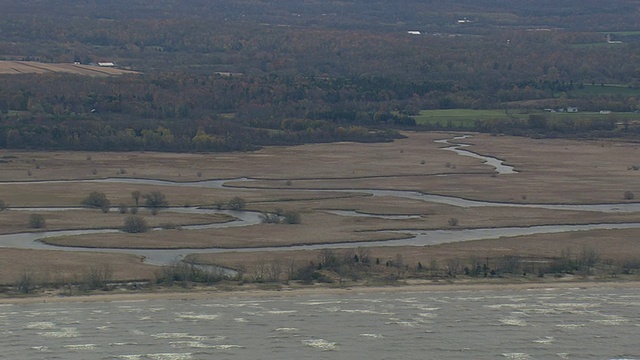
x,y
97,200
287,217
135,224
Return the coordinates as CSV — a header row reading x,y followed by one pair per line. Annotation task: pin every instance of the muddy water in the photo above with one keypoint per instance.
x,y
601,323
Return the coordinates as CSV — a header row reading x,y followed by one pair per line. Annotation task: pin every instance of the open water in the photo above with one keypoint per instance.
x,y
601,323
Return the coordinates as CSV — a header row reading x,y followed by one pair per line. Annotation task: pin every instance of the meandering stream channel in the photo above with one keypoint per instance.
x,y
31,240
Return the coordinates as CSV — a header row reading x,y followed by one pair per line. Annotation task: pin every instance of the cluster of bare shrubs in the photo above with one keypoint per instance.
x,y
353,265
341,266
281,217
93,278
97,200
585,262
135,224
237,204
186,273
274,270
154,201
37,221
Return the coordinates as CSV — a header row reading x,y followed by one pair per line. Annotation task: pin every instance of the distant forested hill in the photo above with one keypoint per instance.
x,y
236,74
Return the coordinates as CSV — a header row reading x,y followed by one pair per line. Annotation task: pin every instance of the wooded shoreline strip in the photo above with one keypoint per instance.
x,y
253,292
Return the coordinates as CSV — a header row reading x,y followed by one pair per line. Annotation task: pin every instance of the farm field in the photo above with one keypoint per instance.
x,y
605,89
465,117
335,198
32,67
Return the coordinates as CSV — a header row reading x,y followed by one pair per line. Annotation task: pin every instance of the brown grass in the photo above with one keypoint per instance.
x,y
616,246
62,266
551,171
321,227
13,221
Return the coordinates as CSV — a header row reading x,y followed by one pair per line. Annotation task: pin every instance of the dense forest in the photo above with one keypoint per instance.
x,y
233,75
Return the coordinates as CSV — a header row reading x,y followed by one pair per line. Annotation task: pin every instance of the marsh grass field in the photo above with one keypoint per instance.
x,y
315,181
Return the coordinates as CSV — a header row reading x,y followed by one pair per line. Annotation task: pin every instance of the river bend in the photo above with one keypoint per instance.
x,y
30,240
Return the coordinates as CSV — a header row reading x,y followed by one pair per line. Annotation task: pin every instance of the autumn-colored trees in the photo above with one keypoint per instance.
x,y
211,80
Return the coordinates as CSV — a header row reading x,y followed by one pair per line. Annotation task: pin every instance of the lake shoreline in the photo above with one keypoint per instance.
x,y
230,291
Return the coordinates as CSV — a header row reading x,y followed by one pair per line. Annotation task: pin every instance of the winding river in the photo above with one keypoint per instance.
x,y
457,147
30,240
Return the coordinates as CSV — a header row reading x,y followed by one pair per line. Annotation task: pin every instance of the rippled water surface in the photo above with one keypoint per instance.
x,y
510,324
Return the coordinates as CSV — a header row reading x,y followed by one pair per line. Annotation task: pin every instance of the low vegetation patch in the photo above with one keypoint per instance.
x,y
287,217
97,200
135,224
37,221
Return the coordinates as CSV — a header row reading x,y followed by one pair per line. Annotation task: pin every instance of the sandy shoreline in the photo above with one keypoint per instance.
x,y
212,293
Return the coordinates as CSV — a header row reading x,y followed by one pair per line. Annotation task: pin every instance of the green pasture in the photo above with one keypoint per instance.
x,y
604,89
591,45
465,118
622,33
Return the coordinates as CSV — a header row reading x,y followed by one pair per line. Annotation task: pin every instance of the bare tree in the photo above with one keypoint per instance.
x,y
292,217
98,200
364,255
291,269
135,224
348,257
589,257
154,201
434,268
26,283
399,265
509,264
327,258
260,270
135,195
97,277
453,267
122,208
36,221
237,203
275,270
